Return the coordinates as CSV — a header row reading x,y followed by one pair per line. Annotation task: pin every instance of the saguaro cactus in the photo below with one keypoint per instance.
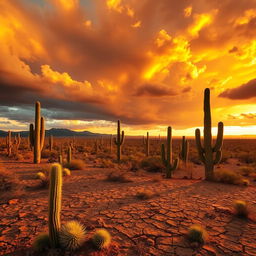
x,y
146,144
36,135
69,154
51,142
9,143
209,155
167,160
55,191
111,143
184,150
17,140
119,141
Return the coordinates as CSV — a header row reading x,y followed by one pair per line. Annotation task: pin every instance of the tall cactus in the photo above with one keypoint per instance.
x,y
119,141
36,135
55,191
111,143
17,141
167,160
146,144
209,155
69,154
51,142
184,150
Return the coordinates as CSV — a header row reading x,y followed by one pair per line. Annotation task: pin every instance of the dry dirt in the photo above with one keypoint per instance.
x,y
156,226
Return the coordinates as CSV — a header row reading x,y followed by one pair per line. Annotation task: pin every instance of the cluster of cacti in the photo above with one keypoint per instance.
x,y
167,158
146,144
184,150
119,141
36,135
51,142
209,155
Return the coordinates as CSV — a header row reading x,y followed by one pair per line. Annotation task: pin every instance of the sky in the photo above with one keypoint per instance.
x,y
147,63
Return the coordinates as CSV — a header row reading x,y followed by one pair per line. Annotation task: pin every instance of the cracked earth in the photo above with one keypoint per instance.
x,y
157,226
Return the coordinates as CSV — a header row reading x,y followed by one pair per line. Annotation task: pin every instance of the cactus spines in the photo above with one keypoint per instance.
x,y
51,142
146,143
119,141
101,238
55,190
209,155
36,135
69,154
9,143
184,150
167,159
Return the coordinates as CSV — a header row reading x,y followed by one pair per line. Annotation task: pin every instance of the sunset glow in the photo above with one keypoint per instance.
x,y
146,63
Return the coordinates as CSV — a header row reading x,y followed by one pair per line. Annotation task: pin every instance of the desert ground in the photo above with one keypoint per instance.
x,y
145,213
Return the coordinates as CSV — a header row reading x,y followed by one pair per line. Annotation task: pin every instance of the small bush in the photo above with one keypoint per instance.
x,y
228,176
106,163
101,238
118,177
152,164
72,235
75,164
246,170
197,233
241,208
41,242
145,194
40,175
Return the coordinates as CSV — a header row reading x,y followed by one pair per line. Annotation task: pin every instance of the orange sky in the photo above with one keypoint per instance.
x,y
91,62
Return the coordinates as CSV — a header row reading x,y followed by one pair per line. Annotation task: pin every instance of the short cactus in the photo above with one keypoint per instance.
x,y
101,238
41,242
9,143
17,141
146,144
36,136
51,142
119,141
72,235
167,160
197,233
66,172
55,191
209,155
40,176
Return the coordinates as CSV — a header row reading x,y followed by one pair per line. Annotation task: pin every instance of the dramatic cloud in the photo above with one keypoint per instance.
x,y
245,91
144,62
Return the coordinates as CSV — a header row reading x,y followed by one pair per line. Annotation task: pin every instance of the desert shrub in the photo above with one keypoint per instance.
x,y
72,235
228,176
101,238
75,164
52,155
106,163
247,157
152,164
145,194
118,177
241,208
245,182
41,242
197,233
246,170
17,156
40,175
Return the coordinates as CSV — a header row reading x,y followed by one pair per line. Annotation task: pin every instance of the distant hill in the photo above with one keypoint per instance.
x,y
57,133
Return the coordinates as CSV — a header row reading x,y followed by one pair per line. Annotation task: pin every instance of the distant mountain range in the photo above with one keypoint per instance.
x,y
57,133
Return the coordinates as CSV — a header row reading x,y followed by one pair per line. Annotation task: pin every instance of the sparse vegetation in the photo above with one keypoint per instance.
x,y
228,176
75,164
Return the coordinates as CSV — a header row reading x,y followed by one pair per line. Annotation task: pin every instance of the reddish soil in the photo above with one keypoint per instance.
x,y
157,226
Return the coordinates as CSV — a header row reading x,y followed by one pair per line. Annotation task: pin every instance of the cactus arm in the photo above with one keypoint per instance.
x,y
163,154
31,135
55,190
175,164
199,146
218,157
219,140
42,134
115,141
